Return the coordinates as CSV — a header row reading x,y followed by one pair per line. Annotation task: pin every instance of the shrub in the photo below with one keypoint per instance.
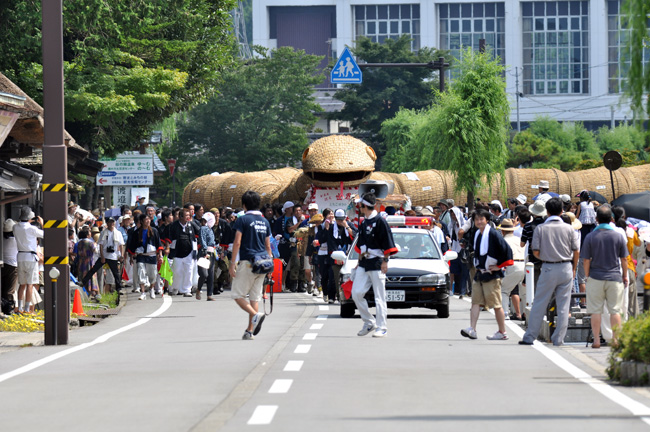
x,y
633,344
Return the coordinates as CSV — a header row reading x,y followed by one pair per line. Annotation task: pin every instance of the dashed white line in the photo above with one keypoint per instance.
x,y
293,365
321,317
316,327
281,386
324,308
263,415
302,349
310,336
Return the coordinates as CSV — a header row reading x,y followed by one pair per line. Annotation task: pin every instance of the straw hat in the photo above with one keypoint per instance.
x,y
95,230
538,208
575,223
507,225
317,219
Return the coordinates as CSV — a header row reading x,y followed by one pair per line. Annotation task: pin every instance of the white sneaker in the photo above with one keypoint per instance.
x,y
367,328
469,333
143,296
135,290
152,293
257,320
380,333
498,336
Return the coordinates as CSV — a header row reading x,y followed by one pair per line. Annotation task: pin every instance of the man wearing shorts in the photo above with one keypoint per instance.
x,y
491,255
604,254
26,240
252,237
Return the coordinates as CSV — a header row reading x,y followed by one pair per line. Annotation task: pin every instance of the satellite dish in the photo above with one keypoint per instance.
x,y
613,160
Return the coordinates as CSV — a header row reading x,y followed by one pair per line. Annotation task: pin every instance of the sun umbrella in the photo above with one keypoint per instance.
x,y
636,205
595,196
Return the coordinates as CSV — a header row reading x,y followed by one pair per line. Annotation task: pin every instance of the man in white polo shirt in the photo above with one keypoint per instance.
x,y
26,236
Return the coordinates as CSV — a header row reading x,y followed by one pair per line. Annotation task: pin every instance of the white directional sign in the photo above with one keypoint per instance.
x,y
131,170
346,70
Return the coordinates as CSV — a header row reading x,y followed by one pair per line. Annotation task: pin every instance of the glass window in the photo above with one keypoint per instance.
x,y
381,22
559,58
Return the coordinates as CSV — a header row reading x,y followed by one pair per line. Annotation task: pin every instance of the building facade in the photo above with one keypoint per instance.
x,y
565,59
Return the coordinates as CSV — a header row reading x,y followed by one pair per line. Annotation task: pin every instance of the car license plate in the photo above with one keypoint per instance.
x,y
395,295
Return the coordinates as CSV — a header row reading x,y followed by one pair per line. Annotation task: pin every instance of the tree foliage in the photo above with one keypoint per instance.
x,y
384,91
128,65
636,13
465,132
258,120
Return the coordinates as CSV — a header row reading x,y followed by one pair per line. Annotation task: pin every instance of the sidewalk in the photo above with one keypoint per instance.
x,y
11,341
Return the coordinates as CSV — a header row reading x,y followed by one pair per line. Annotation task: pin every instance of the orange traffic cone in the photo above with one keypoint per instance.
x,y
77,308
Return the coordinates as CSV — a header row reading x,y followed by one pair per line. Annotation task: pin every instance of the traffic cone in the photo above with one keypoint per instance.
x,y
77,308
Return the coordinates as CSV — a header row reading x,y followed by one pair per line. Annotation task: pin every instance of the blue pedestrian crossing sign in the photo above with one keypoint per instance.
x,y
346,70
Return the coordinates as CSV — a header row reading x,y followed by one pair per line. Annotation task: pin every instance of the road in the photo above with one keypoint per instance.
x,y
185,368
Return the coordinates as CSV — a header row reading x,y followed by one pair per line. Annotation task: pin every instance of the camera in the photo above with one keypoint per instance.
x,y
110,249
269,281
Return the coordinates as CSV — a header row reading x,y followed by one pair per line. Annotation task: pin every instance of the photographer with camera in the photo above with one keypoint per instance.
x,y
111,252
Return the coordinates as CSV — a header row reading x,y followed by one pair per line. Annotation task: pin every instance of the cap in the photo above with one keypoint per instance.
x,y
127,216
214,210
109,220
312,206
521,198
543,184
497,202
339,214
8,225
565,198
507,225
429,208
538,208
287,205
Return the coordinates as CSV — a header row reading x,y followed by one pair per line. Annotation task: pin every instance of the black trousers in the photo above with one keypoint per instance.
x,y
207,275
327,276
112,264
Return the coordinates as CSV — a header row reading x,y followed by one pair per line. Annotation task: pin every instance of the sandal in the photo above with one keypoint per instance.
x,y
198,294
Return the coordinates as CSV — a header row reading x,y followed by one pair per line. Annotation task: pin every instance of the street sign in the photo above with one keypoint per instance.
x,y
346,70
126,170
172,166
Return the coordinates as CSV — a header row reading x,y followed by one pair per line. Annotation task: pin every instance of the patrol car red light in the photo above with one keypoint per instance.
x,y
409,220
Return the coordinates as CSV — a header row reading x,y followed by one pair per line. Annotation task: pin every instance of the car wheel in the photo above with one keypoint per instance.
x,y
347,310
443,311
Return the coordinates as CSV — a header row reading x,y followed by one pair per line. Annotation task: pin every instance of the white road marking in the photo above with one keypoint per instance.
x,y
323,308
321,317
316,327
293,366
310,336
302,349
636,408
263,415
281,386
167,302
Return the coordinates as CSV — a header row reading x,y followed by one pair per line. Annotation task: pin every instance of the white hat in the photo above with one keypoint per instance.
x,y
538,208
429,208
209,219
287,205
521,198
339,214
565,198
543,184
8,225
497,202
312,206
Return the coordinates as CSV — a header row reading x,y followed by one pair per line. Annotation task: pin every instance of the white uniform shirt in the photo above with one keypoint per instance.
x,y
26,235
111,238
10,251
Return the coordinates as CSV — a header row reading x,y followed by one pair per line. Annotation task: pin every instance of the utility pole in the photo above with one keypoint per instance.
x,y
55,179
518,95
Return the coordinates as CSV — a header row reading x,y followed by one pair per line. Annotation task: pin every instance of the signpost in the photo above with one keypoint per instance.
x,y
346,70
172,169
612,161
131,170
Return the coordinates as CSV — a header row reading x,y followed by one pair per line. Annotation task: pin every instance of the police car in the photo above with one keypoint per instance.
x,y
418,275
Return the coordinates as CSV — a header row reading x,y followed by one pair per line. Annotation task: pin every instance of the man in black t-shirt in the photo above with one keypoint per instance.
x,y
252,238
183,242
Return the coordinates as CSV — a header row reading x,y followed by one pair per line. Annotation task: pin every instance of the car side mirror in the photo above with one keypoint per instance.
x,y
339,256
450,256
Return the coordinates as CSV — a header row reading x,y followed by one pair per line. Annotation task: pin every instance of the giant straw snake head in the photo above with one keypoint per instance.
x,y
337,158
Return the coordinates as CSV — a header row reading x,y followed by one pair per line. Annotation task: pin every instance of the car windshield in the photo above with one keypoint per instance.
x,y
412,246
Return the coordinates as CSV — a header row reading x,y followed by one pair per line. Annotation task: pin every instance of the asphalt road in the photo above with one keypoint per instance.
x,y
187,369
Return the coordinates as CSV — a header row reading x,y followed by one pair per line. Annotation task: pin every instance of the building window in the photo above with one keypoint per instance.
x,y
462,25
381,22
618,51
556,47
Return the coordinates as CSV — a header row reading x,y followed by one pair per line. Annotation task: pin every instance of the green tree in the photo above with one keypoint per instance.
x,y
128,65
638,85
259,118
466,131
384,91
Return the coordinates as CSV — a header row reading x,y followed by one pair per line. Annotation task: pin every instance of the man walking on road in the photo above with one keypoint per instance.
x,y
491,255
374,246
111,251
252,238
604,255
557,246
183,246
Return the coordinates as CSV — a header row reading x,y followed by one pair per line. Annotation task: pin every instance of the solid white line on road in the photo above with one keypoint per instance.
x,y
167,302
281,386
302,349
636,408
310,336
323,308
293,366
263,415
316,327
321,317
